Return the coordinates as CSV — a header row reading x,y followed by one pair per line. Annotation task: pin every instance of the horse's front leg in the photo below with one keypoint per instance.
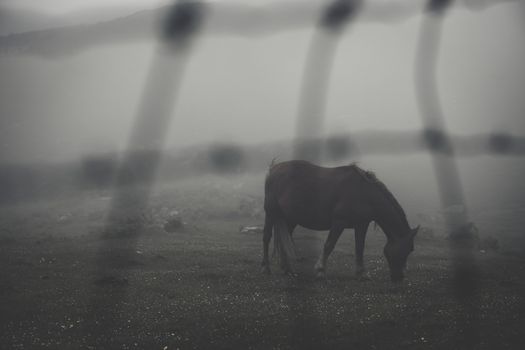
x,y
334,234
267,236
360,235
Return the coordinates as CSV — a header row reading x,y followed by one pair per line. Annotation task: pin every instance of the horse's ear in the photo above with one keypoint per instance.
x,y
414,230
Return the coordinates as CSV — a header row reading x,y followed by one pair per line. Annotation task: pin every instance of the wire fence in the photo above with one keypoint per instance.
x,y
185,20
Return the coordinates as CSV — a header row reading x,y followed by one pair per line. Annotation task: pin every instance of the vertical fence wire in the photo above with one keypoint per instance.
x,y
306,328
453,204
136,174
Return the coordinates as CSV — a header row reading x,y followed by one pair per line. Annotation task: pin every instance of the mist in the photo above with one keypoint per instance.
x,y
163,121
245,89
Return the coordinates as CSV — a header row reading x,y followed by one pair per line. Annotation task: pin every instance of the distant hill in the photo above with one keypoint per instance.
x,y
17,21
238,19
28,32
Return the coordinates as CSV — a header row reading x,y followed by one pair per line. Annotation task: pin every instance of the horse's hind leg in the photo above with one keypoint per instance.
x,y
334,234
360,234
267,236
284,244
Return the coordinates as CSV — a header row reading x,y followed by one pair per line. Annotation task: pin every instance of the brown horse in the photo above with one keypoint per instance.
x,y
301,193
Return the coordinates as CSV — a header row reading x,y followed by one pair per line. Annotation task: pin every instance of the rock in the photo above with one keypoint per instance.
x,y
251,206
427,232
173,224
251,229
489,243
64,217
467,235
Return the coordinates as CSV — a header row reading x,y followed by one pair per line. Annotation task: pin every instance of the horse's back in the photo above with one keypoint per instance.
x,y
309,195
296,173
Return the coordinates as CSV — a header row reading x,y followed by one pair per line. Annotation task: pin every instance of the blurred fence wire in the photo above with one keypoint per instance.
x,y
445,167
185,19
132,189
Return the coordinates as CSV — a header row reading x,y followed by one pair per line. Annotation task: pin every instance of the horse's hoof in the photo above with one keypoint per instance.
x,y
362,276
319,271
290,273
265,270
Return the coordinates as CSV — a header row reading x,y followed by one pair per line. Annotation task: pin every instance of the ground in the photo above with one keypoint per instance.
x,y
66,285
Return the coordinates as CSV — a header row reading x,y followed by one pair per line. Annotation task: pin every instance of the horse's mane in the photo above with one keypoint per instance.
x,y
371,177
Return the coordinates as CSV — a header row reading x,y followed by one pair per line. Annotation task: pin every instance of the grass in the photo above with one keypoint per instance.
x,y
63,285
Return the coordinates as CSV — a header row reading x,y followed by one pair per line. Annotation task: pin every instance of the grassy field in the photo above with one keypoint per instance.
x,y
64,285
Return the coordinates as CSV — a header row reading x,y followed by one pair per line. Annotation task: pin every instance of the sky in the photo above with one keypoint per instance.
x,y
65,6
246,90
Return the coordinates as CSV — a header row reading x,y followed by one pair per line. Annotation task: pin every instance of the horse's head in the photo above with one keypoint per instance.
x,y
396,253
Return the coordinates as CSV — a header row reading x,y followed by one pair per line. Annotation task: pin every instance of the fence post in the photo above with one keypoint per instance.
x,y
436,139
136,173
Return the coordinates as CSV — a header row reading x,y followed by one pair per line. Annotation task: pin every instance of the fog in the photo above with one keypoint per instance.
x,y
70,7
142,150
245,89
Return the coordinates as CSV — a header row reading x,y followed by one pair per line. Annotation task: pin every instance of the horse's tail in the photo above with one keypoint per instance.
x,y
266,183
283,244
272,163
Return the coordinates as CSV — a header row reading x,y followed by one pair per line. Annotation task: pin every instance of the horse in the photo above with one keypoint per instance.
x,y
298,192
